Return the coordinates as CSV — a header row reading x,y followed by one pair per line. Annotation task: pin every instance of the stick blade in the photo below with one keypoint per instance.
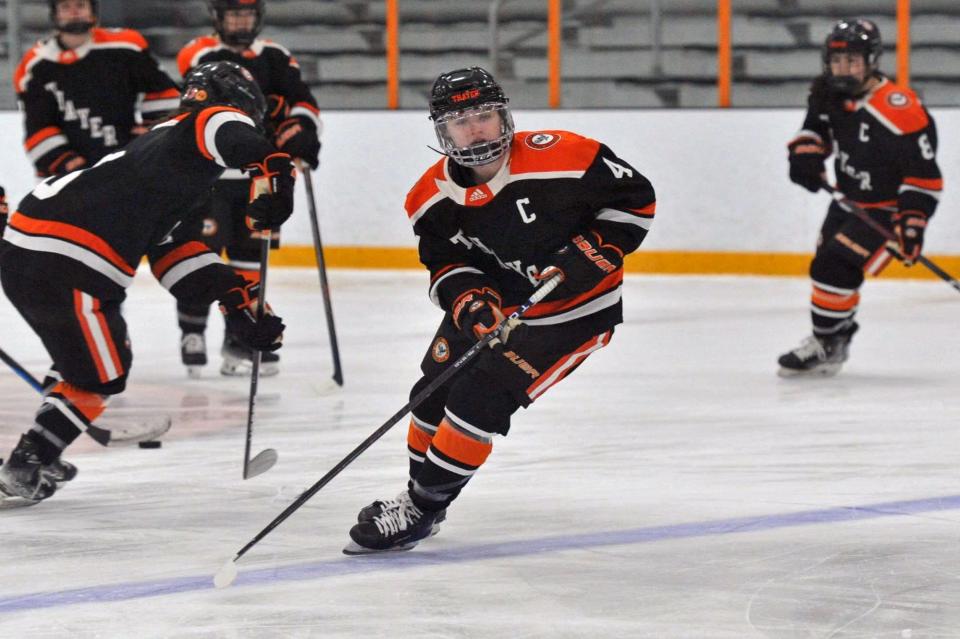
x,y
263,462
226,575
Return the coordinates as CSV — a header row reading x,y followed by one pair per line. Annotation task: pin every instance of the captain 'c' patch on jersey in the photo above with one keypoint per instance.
x,y
541,141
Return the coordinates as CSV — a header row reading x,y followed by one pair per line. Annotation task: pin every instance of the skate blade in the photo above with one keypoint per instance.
x,y
261,463
243,368
827,370
354,549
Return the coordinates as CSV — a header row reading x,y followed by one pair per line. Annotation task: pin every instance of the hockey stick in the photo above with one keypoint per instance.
x,y
864,217
103,436
21,371
228,572
322,268
266,458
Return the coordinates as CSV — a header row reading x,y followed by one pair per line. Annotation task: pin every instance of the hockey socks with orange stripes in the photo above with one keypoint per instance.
x,y
65,413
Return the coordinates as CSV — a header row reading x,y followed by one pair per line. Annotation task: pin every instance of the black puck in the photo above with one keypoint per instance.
x,y
153,444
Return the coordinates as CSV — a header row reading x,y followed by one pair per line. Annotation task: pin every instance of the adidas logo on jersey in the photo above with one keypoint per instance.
x,y
477,195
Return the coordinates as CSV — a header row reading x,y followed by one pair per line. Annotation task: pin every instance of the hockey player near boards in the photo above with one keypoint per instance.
x,y
885,144
4,210
73,245
80,89
492,217
295,124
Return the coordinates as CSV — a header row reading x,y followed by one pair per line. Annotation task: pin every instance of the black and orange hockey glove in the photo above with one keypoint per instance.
x,y
66,162
477,312
806,156
299,138
239,307
271,192
909,227
584,262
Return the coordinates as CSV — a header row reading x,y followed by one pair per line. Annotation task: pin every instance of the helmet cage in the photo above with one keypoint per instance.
x,y
478,153
218,10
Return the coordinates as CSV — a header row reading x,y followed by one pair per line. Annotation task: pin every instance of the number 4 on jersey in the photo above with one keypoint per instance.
x,y
618,169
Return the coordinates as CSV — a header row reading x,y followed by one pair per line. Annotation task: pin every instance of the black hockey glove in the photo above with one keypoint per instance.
x,y
66,162
239,307
300,140
807,156
909,227
477,313
584,262
277,111
271,192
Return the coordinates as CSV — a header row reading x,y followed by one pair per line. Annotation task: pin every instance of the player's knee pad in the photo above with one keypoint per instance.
x,y
834,265
479,400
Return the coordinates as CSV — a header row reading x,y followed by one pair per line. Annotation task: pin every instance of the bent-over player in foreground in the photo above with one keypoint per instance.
x,y
73,245
885,145
491,217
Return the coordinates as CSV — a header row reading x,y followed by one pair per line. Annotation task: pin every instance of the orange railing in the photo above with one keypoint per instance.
x,y
725,43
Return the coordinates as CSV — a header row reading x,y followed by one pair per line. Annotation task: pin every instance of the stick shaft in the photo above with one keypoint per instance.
x,y
322,269
864,217
255,371
545,289
21,371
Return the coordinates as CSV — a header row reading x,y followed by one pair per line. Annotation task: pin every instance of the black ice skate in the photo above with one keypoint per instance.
x,y
22,475
238,360
369,513
399,526
59,470
822,355
193,353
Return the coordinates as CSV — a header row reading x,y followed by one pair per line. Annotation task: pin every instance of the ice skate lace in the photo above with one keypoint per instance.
x,y
400,515
810,347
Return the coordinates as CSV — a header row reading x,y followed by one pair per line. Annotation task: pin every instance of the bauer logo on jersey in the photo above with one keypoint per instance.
x,y
440,350
541,141
898,100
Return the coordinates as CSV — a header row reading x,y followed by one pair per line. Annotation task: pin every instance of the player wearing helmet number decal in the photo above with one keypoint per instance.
x,y
500,212
73,244
884,144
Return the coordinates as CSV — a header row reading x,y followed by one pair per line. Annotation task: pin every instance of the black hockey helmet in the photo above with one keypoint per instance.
x,y
856,35
223,82
463,93
218,9
74,27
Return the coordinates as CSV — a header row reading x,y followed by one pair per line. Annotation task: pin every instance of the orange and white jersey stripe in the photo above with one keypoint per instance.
x,y
71,241
44,141
99,342
182,261
565,365
927,186
209,122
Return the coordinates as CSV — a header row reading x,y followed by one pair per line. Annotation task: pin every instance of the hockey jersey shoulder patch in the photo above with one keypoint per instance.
x,y
425,193
119,37
552,153
898,108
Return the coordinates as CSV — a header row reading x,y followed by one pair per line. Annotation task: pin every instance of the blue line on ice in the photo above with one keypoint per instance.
x,y
424,557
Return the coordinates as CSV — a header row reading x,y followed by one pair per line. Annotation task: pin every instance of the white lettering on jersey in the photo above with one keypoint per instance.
x,y
98,130
848,169
54,184
526,217
926,149
618,169
863,132
529,272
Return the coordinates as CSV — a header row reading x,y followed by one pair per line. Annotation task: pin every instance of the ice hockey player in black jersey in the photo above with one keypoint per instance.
x,y
73,244
295,121
87,91
492,218
884,144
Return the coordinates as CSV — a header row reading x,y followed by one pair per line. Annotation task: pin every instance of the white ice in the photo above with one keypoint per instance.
x,y
673,487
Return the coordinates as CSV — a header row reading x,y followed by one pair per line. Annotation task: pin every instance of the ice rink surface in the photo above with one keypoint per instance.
x,y
673,487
